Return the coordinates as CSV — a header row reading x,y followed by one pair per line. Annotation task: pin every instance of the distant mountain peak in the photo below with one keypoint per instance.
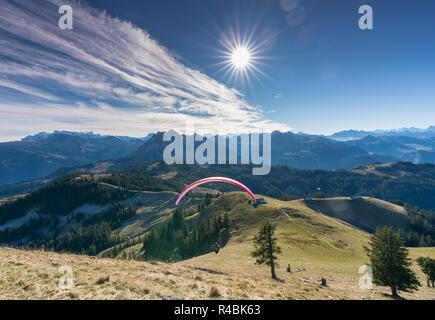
x,y
87,135
407,132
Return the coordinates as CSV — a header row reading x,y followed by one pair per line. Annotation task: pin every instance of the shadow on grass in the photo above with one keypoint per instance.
x,y
392,297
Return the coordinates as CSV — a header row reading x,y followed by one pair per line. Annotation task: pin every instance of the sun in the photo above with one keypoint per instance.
x,y
240,60
241,57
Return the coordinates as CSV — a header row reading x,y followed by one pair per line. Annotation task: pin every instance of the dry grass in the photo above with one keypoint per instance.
x,y
310,242
34,275
103,279
214,292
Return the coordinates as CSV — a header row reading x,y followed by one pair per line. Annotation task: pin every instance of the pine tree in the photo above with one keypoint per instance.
x,y
390,262
226,221
427,265
422,242
207,199
266,247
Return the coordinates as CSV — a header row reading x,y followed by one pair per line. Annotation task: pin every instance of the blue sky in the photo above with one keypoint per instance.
x,y
132,67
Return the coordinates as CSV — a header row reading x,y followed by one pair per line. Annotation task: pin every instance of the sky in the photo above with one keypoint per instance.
x,y
133,67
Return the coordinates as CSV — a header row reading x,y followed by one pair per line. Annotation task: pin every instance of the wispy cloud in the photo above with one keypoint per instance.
x,y
105,75
24,89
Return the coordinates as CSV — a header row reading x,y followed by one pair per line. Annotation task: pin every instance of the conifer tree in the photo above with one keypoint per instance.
x,y
390,262
427,265
266,247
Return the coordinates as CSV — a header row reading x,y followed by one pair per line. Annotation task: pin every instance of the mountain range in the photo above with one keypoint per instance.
x,y
290,149
42,154
405,132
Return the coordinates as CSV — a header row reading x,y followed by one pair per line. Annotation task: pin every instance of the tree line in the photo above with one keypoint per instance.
x,y
422,223
416,187
60,197
132,181
89,234
176,239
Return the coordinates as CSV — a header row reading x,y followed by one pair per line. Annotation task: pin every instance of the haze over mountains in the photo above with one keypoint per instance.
x,y
406,132
42,154
408,144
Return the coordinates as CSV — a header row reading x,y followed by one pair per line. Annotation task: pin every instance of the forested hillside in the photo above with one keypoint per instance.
x,y
410,183
57,216
88,213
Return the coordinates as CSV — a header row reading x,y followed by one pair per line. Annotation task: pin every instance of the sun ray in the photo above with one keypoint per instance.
x,y
241,56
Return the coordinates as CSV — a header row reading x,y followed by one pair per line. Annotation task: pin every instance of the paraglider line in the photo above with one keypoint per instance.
x,y
215,179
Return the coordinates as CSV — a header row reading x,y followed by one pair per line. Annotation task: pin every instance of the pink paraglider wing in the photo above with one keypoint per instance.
x,y
214,179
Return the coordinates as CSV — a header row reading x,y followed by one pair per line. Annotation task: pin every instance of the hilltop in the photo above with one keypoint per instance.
x,y
313,244
405,181
365,212
317,228
71,212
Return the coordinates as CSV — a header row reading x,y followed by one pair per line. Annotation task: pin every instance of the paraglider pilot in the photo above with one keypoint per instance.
x,y
216,247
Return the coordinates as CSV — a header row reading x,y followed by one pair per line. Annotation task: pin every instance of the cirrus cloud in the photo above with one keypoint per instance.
x,y
105,75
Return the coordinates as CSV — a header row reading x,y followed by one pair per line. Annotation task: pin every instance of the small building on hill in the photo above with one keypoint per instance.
x,y
261,201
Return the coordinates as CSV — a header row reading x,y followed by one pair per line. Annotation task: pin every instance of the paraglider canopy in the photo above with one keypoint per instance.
x,y
215,179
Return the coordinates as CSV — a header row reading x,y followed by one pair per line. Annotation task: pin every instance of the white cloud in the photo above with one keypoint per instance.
x,y
26,90
107,76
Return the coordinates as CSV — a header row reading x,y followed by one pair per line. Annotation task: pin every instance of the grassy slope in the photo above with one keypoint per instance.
x,y
318,245
154,207
366,213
